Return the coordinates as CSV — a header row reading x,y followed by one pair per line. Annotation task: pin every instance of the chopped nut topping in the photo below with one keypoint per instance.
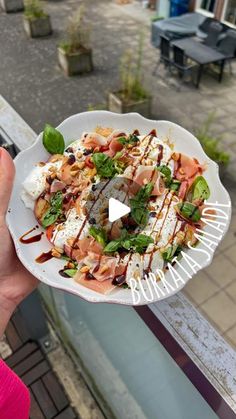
x,y
81,164
103,269
175,156
55,253
84,269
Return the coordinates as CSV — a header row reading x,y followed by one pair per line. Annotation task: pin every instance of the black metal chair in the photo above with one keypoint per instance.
x,y
164,53
227,46
180,63
215,28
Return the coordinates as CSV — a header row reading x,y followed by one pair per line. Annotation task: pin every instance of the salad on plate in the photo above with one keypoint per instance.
x,y
69,194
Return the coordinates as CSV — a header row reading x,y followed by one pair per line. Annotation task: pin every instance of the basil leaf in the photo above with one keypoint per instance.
x,y
171,252
175,184
139,203
189,211
139,215
99,234
70,272
140,242
165,170
104,164
131,139
53,140
144,192
127,241
112,247
55,210
56,200
199,190
50,218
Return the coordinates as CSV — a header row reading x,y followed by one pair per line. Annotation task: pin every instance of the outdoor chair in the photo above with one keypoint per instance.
x,y
164,53
227,46
204,28
215,28
180,63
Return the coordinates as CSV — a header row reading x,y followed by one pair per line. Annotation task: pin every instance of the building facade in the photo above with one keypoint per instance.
x,y
224,10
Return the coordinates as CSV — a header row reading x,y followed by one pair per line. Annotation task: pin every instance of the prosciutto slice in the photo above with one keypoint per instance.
x,y
104,287
93,140
146,174
186,170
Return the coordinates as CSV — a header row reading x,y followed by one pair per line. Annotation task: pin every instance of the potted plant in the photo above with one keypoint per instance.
x,y
210,144
131,97
12,5
74,54
37,23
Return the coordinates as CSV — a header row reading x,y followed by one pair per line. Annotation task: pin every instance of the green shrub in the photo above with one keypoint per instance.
x,y
77,33
98,107
34,9
131,75
210,142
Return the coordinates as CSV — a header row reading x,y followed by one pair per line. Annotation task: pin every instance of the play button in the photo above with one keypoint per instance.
x,y
108,205
116,210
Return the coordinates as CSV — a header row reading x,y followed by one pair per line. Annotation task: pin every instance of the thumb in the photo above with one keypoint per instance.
x,y
7,174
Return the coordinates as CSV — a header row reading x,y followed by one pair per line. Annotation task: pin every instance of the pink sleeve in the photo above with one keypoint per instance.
x,y
14,395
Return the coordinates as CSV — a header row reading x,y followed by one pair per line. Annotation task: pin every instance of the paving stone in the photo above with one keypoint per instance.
x,y
227,241
221,310
230,335
200,288
231,290
231,254
218,269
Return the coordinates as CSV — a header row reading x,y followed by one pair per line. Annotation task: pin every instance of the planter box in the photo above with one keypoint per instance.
x,y
76,63
36,28
12,5
115,104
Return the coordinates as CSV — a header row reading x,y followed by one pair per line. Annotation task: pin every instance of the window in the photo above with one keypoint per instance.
x,y
230,12
206,7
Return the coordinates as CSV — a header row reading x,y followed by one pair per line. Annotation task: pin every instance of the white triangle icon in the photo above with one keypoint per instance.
x,y
117,210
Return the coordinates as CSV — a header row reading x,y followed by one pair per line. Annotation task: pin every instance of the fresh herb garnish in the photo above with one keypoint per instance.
x,y
137,243
53,140
106,166
139,204
166,172
189,211
119,165
55,210
99,234
199,190
70,272
65,257
171,252
131,139
175,185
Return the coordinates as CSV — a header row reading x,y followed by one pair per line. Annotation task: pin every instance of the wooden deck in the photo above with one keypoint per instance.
x,y
48,399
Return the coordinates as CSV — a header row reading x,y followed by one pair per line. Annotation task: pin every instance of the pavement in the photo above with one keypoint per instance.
x,y
33,84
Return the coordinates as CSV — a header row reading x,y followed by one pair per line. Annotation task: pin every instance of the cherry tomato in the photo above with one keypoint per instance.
x,y
49,232
104,148
89,162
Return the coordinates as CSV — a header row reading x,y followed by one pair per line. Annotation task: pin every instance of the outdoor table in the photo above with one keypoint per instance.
x,y
201,54
162,360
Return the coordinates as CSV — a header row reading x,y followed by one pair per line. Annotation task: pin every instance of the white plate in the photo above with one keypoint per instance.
x,y
21,219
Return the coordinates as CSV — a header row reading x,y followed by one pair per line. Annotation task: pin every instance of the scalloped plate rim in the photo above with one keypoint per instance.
x,y
99,298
